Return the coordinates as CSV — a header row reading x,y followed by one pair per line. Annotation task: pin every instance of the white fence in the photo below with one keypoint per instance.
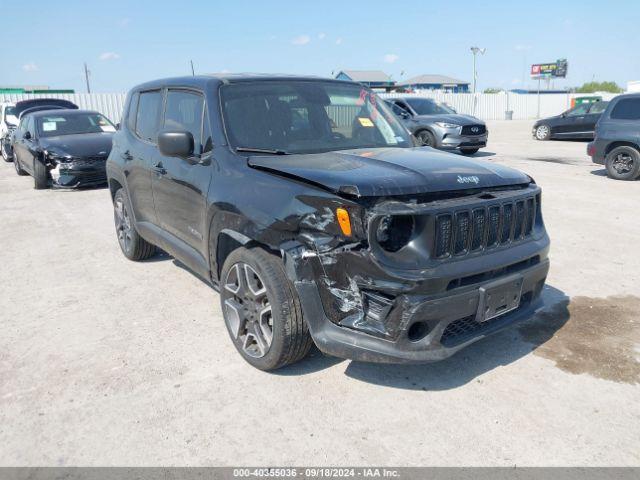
x,y
109,104
492,106
487,106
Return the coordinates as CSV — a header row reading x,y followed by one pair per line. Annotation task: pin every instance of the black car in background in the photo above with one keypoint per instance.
x,y
578,123
22,108
63,148
617,139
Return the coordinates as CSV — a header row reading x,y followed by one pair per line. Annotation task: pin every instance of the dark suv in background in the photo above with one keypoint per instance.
x,y
305,203
617,138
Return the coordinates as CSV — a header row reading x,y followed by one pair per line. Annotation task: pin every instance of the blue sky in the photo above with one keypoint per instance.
x,y
126,43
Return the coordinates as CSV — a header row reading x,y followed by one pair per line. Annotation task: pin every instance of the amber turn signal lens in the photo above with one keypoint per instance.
x,y
344,221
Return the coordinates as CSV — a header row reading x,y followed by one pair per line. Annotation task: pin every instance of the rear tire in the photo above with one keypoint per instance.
x,y
40,176
131,243
18,167
425,138
262,310
469,151
623,163
543,132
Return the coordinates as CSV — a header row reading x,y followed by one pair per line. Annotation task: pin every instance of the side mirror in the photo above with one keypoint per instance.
x,y
118,126
27,135
404,114
176,144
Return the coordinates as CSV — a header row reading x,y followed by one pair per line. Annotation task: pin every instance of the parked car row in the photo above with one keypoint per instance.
x,y
56,143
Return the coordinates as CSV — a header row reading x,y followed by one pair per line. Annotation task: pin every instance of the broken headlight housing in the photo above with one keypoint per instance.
x,y
395,231
52,155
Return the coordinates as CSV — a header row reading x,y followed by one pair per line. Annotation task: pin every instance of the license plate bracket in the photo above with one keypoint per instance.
x,y
500,297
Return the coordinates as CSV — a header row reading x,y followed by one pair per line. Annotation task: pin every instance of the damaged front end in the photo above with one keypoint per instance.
x,y
67,171
419,278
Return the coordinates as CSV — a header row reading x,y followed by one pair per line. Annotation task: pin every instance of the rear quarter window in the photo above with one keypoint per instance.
x,y
626,109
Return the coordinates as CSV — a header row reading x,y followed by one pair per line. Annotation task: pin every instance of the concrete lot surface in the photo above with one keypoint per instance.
x,y
108,362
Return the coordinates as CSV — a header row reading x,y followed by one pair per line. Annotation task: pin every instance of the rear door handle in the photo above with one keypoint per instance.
x,y
127,156
159,168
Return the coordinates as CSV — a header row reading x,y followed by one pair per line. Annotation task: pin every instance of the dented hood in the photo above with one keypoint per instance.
x,y
390,171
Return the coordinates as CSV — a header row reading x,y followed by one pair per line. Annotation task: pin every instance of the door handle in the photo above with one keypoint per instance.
x,y
127,156
159,168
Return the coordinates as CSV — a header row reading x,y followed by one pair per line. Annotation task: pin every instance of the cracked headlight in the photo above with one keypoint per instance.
x,y
448,125
395,232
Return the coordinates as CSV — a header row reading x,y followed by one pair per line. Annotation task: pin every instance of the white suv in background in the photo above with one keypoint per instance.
x,y
8,123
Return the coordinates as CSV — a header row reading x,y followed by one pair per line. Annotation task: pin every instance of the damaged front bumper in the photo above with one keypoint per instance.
x,y
72,176
363,306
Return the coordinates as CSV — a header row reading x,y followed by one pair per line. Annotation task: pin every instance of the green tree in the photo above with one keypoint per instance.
x,y
593,87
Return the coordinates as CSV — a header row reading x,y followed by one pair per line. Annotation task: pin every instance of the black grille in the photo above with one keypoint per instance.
x,y
92,161
470,130
464,231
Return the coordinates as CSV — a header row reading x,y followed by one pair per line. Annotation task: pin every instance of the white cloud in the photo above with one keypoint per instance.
x,y
301,40
322,36
338,41
30,67
391,58
122,23
109,56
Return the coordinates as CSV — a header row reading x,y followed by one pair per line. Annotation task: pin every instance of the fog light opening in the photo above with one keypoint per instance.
x,y
417,331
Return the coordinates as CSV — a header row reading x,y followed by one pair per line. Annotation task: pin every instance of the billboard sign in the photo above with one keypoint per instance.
x,y
552,70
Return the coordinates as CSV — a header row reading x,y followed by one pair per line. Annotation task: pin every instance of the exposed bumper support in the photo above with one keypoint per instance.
x,y
439,313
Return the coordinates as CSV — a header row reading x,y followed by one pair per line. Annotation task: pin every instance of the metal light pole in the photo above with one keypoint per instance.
x,y
86,77
475,51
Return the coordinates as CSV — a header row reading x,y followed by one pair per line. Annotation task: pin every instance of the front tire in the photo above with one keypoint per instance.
x,y
623,163
18,167
5,154
131,243
262,310
469,151
40,176
426,138
543,132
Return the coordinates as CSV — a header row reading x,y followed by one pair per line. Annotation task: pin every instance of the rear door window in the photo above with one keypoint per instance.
x,y
148,116
184,112
626,109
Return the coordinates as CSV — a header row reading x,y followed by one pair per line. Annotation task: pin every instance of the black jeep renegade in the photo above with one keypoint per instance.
x,y
307,205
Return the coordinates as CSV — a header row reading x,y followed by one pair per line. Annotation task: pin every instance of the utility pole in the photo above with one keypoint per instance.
x,y
86,77
475,51
193,73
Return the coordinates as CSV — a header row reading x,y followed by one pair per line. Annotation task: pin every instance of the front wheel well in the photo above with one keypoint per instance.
x,y
613,145
114,186
226,244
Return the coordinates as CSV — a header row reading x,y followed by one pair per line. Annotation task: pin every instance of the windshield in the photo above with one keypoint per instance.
x,y
71,124
308,117
425,106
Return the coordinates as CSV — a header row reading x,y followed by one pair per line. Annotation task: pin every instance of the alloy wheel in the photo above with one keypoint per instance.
x,y
248,310
542,132
425,139
124,229
622,163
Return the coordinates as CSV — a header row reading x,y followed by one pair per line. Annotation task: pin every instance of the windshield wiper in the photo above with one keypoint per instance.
x,y
261,150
